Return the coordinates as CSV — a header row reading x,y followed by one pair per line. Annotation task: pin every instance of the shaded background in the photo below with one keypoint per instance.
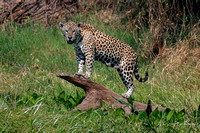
x,y
167,20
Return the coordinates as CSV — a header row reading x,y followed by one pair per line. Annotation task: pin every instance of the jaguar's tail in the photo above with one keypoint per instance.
x,y
137,76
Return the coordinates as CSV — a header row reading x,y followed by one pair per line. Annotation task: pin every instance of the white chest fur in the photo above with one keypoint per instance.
x,y
82,47
80,44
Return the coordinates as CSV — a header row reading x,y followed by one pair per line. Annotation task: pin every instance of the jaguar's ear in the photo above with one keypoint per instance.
x,y
61,25
79,24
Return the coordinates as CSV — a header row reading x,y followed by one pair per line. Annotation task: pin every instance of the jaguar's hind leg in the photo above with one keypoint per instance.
x,y
127,78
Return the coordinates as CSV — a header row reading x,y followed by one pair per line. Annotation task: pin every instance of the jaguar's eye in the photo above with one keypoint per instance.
x,y
73,31
66,31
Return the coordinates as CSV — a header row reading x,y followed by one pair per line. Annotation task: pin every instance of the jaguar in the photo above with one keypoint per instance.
x,y
91,44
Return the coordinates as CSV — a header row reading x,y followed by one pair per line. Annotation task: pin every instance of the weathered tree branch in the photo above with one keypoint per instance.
x,y
97,94
24,12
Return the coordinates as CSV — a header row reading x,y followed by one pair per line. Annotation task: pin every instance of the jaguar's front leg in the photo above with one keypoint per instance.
x,y
80,60
81,64
88,51
89,64
89,59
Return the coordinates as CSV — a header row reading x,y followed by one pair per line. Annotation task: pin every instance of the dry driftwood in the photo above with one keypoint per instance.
x,y
26,11
97,94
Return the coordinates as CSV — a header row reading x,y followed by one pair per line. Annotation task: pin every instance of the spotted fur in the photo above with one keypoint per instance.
x,y
91,44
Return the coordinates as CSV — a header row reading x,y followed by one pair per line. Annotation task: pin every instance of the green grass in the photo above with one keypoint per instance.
x,y
33,99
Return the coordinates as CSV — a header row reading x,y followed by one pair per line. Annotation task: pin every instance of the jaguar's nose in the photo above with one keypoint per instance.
x,y
70,37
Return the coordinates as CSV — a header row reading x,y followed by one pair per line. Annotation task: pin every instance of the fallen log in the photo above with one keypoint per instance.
x,y
28,11
97,94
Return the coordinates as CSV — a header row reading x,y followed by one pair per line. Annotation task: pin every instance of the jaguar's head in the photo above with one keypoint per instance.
x,y
70,31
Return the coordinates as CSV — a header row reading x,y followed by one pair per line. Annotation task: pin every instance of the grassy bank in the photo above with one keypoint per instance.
x,y
33,99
